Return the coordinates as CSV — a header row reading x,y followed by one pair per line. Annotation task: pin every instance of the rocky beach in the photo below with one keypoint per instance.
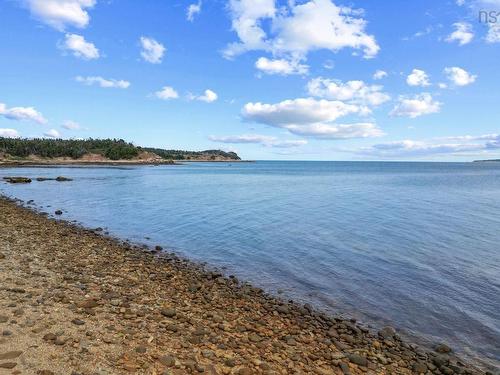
x,y
74,301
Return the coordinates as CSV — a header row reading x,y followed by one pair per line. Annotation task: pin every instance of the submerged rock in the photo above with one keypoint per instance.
x,y
63,179
18,180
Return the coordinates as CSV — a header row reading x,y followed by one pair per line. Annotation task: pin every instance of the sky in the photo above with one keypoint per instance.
x,y
268,79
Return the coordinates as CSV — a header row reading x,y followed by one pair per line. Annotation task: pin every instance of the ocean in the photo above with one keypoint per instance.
x,y
412,245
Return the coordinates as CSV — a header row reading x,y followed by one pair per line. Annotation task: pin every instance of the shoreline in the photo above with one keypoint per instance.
x,y
160,306
37,164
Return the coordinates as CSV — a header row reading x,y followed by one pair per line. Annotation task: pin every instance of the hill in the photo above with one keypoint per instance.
x,y
98,151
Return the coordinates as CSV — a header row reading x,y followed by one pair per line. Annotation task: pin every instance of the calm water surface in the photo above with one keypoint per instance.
x,y
415,245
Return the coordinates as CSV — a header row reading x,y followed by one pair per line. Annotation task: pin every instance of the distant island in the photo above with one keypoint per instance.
x,y
97,151
487,161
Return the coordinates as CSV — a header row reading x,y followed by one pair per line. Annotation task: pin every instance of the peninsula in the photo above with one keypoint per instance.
x,y
97,151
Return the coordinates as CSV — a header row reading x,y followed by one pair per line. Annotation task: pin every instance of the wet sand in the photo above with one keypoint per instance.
x,y
73,301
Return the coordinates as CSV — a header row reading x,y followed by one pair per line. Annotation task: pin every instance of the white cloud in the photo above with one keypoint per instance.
x,y
22,114
411,148
80,47
152,51
351,91
208,96
297,29
463,33
311,117
493,35
102,82
419,105
167,93
281,66
379,74
71,125
259,139
9,133
337,131
61,13
52,133
192,10
297,111
459,76
418,78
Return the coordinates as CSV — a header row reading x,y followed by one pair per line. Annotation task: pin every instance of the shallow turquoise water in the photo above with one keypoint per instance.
x,y
416,245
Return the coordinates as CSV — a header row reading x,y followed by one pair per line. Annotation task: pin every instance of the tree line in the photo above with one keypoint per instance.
x,y
114,149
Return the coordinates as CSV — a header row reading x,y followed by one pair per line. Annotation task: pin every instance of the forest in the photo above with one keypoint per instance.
x,y
114,149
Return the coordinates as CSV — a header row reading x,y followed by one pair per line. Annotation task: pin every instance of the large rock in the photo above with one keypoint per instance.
x,y
17,180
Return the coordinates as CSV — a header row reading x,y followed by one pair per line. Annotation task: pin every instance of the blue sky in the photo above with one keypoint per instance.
x,y
304,80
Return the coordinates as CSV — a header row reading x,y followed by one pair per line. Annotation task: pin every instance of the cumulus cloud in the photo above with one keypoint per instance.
x,y
311,117
264,140
459,76
351,91
52,133
452,145
192,10
463,33
152,50
418,78
102,82
297,111
22,114
379,74
280,66
167,93
61,13
80,47
71,125
493,35
9,133
337,131
297,29
419,105
208,96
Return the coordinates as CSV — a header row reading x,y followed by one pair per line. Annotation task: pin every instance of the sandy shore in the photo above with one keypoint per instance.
x,y
73,301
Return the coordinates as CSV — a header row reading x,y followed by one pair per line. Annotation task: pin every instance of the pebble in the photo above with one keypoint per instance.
x,y
10,355
357,359
442,348
167,360
168,312
8,365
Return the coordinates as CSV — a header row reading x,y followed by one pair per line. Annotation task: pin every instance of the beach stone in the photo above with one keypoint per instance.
x,y
49,337
168,312
8,365
167,360
78,322
88,304
419,368
3,319
357,359
253,337
442,348
2,256
10,355
230,362
345,368
47,372
58,212
387,332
